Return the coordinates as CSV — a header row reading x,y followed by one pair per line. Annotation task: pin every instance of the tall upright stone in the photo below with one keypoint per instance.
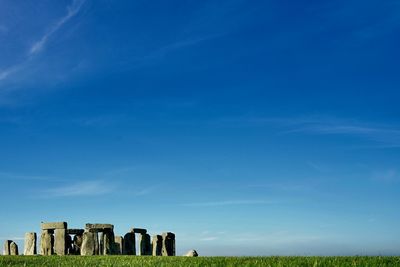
x,y
77,244
157,245
13,249
119,245
68,244
6,250
46,243
60,242
108,243
101,243
145,245
97,250
30,244
168,247
88,244
129,247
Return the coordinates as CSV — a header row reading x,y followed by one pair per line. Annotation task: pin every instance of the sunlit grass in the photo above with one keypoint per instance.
x,y
200,261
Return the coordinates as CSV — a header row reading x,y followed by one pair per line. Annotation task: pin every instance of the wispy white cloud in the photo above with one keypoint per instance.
x,y
85,188
161,52
317,166
385,136
382,135
39,45
5,73
228,203
72,10
145,191
184,43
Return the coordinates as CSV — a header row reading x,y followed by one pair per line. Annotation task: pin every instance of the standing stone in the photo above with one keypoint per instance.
x,y
77,244
88,244
96,244
129,247
60,246
168,248
191,253
101,245
119,245
6,250
68,244
30,244
145,245
13,249
46,243
109,243
157,245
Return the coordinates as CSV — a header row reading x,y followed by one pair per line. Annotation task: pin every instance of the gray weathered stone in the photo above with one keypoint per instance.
x,y
99,226
6,250
101,243
97,250
60,238
75,231
139,231
145,245
157,245
88,244
68,244
77,244
53,225
46,243
13,249
119,245
108,243
30,244
129,247
191,253
168,248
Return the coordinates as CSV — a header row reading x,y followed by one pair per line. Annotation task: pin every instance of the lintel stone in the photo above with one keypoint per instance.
x,y
53,225
99,226
139,231
75,231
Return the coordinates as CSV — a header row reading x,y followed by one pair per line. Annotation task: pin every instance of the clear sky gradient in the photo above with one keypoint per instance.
x,y
245,127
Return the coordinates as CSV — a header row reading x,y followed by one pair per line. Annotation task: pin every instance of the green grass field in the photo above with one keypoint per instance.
x,y
200,261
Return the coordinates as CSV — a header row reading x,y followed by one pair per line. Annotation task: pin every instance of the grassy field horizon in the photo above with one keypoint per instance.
x,y
200,261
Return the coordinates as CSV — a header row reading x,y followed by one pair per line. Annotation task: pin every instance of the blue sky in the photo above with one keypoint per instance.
x,y
246,128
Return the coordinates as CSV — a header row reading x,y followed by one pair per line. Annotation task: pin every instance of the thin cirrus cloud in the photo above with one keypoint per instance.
x,y
72,10
38,46
86,188
382,136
